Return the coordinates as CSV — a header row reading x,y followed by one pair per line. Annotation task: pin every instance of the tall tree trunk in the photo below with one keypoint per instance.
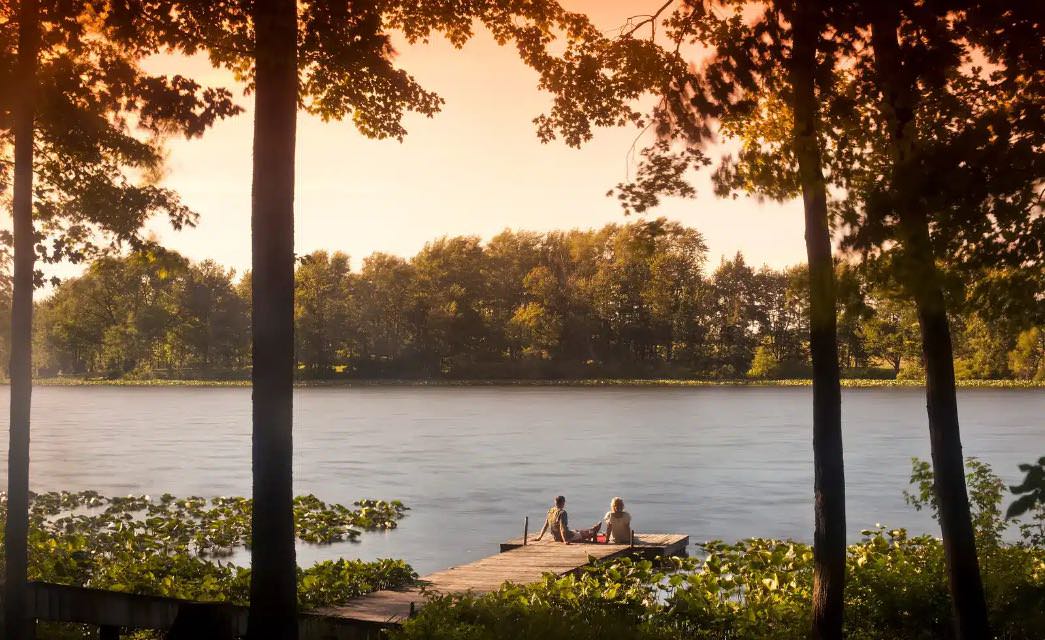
x,y
829,476
922,280
273,583
16,529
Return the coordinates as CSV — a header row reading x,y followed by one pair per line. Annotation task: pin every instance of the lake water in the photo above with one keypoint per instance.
x,y
472,462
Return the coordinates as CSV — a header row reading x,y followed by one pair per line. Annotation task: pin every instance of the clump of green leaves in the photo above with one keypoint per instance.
x,y
985,495
320,523
335,581
985,498
1030,504
170,546
214,527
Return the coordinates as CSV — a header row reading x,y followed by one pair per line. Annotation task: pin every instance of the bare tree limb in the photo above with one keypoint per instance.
x,y
650,19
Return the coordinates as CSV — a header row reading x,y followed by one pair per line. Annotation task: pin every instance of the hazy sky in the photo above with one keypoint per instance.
x,y
476,168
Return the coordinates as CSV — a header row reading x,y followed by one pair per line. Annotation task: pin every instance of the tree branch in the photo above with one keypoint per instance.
x,y
650,19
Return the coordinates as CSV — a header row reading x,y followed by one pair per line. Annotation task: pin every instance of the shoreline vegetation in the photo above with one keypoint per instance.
x,y
753,588
848,383
759,588
638,301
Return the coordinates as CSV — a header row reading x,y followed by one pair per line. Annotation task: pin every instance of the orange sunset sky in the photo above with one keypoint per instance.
x,y
476,168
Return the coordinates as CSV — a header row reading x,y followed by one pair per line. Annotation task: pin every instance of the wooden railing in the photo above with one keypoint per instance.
x,y
113,612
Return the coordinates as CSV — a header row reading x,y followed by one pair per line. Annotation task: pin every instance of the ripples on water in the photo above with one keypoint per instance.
x,y
472,462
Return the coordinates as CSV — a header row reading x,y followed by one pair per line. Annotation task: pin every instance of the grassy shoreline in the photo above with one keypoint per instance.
x,y
851,383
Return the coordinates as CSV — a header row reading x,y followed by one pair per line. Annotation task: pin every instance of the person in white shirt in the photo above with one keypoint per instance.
x,y
618,523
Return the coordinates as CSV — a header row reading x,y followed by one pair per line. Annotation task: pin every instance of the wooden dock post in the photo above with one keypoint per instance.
x,y
526,529
631,539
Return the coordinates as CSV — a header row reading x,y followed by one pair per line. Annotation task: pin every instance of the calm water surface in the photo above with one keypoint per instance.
x,y
471,462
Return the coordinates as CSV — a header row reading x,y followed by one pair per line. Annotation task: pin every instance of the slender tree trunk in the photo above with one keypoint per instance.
x,y
959,540
829,477
16,529
273,584
922,280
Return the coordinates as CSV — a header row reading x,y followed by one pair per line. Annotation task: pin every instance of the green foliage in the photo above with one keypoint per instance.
x,y
757,589
150,311
625,301
175,547
985,490
1027,358
982,353
322,308
605,603
752,589
100,122
764,364
1031,503
336,581
966,122
892,336
320,523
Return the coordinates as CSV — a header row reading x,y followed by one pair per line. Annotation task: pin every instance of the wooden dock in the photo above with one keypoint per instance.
x,y
359,619
517,563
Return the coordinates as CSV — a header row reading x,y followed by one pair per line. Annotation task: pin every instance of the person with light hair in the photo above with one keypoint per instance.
x,y
618,523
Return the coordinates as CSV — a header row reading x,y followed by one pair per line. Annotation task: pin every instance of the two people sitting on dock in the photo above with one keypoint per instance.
x,y
557,522
618,523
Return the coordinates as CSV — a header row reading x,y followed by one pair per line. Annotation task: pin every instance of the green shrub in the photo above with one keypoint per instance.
x,y
759,589
764,364
755,589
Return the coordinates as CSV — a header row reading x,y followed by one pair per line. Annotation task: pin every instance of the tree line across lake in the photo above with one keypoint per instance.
x,y
633,300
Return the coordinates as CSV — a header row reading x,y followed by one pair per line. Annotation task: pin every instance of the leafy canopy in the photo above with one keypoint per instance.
x,y
100,125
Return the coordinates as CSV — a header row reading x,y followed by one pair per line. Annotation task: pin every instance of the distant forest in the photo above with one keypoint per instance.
x,y
628,301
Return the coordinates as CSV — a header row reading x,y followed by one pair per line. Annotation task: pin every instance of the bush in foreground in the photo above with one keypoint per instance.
x,y
760,589
755,588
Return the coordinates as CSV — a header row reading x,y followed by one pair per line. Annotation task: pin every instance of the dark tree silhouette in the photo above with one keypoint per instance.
x,y
73,98
273,579
943,120
17,626
944,185
923,281
829,478
779,58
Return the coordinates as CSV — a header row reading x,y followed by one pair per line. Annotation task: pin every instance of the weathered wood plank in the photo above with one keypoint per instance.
x,y
114,610
63,603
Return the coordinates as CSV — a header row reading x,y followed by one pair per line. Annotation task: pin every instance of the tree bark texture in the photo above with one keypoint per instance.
x,y
16,625
829,548
922,279
273,585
